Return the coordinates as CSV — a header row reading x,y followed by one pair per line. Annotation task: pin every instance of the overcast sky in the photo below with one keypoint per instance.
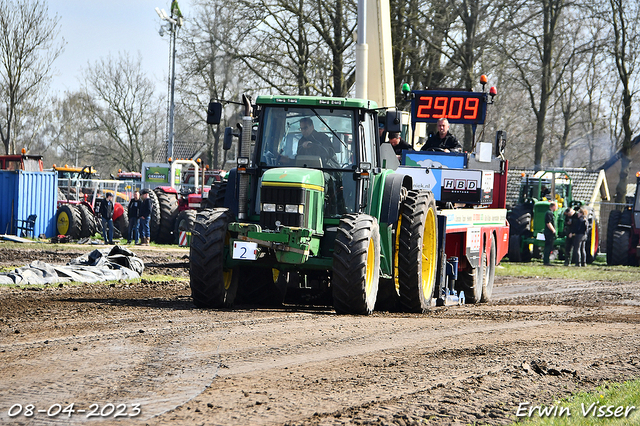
x,y
94,29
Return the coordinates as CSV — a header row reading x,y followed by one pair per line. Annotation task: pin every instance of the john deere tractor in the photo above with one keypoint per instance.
x,y
312,215
526,219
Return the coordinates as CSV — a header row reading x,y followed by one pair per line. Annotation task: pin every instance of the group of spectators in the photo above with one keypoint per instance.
x,y
139,212
576,228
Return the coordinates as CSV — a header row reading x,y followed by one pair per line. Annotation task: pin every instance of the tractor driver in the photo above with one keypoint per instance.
x,y
313,143
442,140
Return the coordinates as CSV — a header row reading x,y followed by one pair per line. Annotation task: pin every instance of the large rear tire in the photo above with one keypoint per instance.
x,y
121,225
620,249
154,220
88,219
417,250
69,221
212,286
184,222
612,224
356,265
489,275
515,253
217,194
168,204
593,240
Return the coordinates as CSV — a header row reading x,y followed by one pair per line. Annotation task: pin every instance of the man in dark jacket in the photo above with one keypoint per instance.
x,y
549,232
145,216
398,144
442,139
106,215
134,212
579,233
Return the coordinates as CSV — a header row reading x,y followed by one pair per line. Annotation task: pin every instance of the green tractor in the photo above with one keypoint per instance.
x,y
313,216
526,219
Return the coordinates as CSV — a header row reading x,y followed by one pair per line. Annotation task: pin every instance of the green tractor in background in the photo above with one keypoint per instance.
x,y
526,219
319,223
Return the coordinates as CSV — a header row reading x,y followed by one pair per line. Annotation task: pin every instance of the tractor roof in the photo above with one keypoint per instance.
x,y
316,101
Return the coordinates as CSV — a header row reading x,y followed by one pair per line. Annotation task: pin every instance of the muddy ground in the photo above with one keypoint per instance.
x,y
145,348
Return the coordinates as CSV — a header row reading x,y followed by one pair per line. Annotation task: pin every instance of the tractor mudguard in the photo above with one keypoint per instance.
x,y
392,197
118,210
231,196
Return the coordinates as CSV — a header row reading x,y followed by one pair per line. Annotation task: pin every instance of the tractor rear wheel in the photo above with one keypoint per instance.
x,y
88,219
168,211
593,241
121,225
515,253
69,221
356,265
620,249
470,281
217,194
417,251
212,286
154,220
184,222
612,224
489,269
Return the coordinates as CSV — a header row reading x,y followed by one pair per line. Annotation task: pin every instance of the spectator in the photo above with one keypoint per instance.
x,y
549,232
145,216
106,215
134,212
442,140
580,238
570,217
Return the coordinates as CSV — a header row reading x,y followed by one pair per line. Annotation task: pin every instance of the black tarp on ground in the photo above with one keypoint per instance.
x,y
114,263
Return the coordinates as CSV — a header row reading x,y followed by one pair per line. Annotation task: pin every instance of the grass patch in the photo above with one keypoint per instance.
x,y
607,405
597,271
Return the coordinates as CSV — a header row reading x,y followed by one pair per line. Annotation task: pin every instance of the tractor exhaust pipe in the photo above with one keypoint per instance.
x,y
245,152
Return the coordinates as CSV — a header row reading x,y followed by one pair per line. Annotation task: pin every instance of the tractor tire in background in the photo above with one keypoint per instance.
x,y
519,219
121,226
154,221
184,222
593,240
88,220
417,254
612,224
356,265
168,204
489,270
620,249
470,281
212,286
69,221
216,195
516,252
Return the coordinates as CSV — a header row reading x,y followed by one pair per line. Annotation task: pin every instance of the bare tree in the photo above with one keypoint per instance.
x,y
27,50
122,107
624,18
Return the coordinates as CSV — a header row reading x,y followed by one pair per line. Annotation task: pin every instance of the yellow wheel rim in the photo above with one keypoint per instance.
x,y
227,276
429,254
371,264
63,223
593,239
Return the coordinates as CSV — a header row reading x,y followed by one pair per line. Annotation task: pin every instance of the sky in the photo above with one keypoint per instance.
x,y
95,29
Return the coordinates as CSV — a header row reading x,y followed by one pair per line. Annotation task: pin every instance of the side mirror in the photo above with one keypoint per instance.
x,y
214,113
393,121
228,138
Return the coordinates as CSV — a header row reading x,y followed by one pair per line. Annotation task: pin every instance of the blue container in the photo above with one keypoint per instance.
x,y
26,193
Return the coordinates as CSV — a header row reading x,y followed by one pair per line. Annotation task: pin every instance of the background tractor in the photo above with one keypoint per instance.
x,y
623,232
526,219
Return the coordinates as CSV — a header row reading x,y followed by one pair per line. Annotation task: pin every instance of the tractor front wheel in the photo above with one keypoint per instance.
x,y
212,286
356,265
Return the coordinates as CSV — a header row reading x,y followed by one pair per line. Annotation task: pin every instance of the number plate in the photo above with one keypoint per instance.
x,y
245,251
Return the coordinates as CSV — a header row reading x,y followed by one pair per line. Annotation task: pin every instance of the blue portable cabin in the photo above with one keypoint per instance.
x,y
25,193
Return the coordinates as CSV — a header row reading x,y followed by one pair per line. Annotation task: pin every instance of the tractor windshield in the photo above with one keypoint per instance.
x,y
307,137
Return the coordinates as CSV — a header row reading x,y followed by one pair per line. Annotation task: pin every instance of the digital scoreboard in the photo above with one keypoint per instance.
x,y
428,106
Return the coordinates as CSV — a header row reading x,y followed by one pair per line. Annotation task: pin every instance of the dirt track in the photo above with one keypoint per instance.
x,y
146,344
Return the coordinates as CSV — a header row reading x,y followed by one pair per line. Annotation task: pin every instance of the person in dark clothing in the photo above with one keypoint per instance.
x,y
313,142
134,212
145,216
580,227
549,232
106,215
442,139
398,143
570,216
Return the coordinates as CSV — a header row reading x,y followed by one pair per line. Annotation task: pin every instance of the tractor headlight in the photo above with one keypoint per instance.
x,y
268,207
294,208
